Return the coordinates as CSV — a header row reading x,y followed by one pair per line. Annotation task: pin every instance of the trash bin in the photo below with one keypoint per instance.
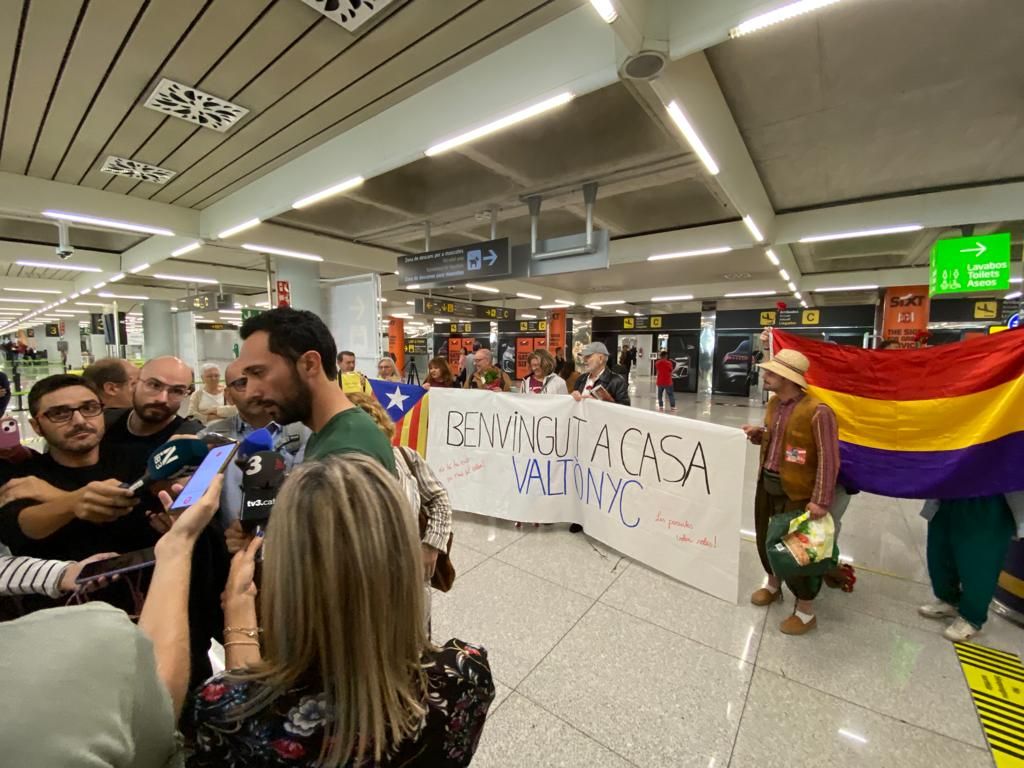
x,y
1009,598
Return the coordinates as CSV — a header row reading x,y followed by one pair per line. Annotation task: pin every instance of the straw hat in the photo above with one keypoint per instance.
x,y
789,364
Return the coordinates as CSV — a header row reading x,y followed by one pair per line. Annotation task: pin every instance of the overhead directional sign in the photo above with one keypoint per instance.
x,y
462,309
448,266
971,264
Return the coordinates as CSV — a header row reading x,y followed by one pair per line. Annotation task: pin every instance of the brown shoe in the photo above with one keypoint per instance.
x,y
794,625
765,596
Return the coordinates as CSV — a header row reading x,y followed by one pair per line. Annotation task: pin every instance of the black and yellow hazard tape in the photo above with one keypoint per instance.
x,y
996,682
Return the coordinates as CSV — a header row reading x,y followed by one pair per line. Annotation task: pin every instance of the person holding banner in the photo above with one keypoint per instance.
x,y
349,379
601,382
439,374
543,380
798,470
386,370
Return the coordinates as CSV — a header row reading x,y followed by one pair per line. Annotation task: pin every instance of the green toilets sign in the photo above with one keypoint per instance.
x,y
971,264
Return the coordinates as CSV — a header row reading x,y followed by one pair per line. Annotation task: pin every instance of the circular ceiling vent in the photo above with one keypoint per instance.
x,y
645,65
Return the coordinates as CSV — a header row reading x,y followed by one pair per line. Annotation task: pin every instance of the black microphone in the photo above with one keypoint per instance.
x,y
261,479
173,459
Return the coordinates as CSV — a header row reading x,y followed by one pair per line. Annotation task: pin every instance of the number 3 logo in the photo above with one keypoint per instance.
x,y
255,465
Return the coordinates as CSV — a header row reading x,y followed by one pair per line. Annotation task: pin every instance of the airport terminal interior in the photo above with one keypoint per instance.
x,y
709,182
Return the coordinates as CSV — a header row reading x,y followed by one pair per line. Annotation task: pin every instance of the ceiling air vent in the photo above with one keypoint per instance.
x,y
351,14
133,169
193,105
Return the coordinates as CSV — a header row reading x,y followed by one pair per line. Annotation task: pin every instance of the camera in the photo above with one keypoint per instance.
x,y
64,249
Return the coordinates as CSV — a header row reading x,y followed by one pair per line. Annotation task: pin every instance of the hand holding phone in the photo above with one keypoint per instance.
x,y
93,569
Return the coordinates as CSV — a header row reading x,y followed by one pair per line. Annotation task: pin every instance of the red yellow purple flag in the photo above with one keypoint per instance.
x,y
941,422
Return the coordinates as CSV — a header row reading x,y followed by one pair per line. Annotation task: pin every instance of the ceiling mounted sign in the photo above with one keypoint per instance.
x,y
450,308
970,264
488,260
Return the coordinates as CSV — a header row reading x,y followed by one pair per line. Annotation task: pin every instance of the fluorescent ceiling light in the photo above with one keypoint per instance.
x,y
772,257
230,231
1012,280
403,316
621,312
691,136
7,300
797,296
838,288
186,279
124,296
687,297
842,731
441,320
1014,295
230,311
862,233
475,287
786,12
187,248
99,285
91,304
382,300
50,265
611,303
686,254
791,286
504,122
412,287
85,291
749,221
565,303
803,304
282,252
749,294
32,290
592,306
605,10
110,223
529,296
410,303
784,274
337,189
552,306
72,312
529,317
116,278
638,314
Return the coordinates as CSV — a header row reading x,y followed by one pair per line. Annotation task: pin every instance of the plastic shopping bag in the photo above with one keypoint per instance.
x,y
799,546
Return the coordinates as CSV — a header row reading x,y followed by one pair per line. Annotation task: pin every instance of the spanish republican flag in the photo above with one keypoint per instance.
x,y
937,423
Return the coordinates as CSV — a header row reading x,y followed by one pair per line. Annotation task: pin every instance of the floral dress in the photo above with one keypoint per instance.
x,y
289,731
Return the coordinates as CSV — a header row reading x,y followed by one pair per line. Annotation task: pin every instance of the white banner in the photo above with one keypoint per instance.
x,y
662,490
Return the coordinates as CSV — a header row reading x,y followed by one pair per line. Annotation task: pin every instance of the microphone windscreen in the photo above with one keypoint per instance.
x,y
256,441
174,458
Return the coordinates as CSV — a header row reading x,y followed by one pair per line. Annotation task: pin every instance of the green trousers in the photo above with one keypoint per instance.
x,y
967,544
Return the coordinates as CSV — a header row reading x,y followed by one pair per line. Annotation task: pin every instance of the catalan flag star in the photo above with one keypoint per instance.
x,y
397,399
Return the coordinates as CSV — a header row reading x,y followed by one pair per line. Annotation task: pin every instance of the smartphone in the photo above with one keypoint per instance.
x,y
132,561
212,466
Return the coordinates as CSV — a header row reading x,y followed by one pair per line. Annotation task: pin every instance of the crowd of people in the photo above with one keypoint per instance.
x,y
323,613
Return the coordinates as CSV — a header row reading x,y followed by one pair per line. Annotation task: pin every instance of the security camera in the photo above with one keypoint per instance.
x,y
64,248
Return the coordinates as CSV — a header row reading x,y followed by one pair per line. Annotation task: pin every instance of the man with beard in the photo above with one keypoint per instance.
x,y
164,384
289,362
67,504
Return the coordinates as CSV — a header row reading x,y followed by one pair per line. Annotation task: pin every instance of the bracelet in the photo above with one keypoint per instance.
x,y
247,631
241,642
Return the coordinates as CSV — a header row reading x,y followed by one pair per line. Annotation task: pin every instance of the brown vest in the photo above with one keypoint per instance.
x,y
798,477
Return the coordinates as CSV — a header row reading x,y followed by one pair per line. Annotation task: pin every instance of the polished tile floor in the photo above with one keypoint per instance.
x,y
601,661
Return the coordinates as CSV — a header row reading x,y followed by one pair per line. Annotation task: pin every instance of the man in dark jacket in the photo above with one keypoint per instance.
x,y
595,359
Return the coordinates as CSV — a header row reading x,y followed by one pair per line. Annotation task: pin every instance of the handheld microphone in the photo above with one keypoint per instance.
x,y
262,477
258,440
172,460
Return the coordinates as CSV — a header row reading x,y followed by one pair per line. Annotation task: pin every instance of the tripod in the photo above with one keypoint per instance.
x,y
412,375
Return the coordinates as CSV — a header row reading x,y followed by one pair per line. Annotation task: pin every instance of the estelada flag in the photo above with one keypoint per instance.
x,y
942,422
406,404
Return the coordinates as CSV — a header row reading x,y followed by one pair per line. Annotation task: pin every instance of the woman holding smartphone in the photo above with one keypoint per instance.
x,y
341,671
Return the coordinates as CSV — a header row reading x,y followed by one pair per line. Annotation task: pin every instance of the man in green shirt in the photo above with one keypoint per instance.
x,y
288,358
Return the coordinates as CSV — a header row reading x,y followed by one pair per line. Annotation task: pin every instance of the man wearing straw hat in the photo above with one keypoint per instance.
x,y
798,470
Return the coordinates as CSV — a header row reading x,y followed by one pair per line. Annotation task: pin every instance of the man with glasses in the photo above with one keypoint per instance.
x,y
68,504
164,384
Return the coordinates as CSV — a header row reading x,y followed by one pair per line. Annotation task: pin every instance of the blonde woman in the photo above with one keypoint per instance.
x,y
387,371
542,379
341,672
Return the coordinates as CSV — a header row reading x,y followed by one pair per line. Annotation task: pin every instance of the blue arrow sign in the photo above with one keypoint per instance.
x,y
1014,321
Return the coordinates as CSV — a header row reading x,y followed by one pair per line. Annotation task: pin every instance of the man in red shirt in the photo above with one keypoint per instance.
x,y
664,368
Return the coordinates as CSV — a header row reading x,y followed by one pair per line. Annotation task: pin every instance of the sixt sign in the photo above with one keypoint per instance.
x,y
475,262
